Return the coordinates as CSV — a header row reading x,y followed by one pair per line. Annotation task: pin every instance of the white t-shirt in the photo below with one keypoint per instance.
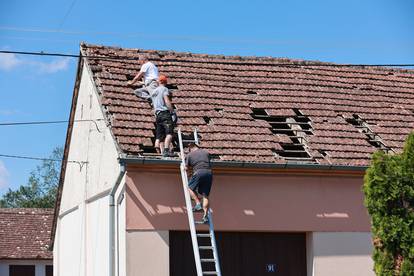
x,y
150,71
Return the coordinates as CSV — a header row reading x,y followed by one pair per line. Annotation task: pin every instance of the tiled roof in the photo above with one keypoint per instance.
x,y
262,109
25,233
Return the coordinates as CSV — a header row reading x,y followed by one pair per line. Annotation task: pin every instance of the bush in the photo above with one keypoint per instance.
x,y
389,198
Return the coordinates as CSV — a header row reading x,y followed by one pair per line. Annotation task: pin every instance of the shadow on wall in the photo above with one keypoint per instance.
x,y
155,200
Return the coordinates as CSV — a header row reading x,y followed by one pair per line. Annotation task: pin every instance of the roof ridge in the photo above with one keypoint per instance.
x,y
281,60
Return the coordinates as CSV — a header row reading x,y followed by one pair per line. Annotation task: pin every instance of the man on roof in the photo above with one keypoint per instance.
x,y
164,113
148,73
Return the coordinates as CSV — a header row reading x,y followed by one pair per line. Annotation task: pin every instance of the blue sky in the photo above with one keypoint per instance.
x,y
40,88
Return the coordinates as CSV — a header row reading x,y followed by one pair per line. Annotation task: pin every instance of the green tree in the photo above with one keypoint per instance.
x,y
40,191
389,197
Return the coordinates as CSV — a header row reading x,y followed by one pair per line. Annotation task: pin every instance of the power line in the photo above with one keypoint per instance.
x,y
66,14
45,122
40,158
319,64
151,36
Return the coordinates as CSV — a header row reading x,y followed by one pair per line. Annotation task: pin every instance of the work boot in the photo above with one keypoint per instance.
x,y
204,220
166,153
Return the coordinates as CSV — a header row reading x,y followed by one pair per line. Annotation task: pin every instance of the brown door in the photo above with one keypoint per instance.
x,y
244,254
22,270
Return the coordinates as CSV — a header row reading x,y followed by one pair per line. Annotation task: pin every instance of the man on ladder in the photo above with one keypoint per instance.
x,y
200,183
201,179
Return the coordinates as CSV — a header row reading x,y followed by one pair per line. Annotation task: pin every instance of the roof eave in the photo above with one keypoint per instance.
x,y
142,160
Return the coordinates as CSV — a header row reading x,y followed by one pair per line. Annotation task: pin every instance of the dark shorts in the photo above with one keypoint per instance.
x,y
164,125
201,182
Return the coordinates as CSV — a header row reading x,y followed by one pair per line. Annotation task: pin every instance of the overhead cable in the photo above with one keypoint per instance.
x,y
295,63
40,158
50,122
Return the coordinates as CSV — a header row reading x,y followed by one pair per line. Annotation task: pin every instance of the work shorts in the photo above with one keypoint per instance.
x,y
201,182
164,125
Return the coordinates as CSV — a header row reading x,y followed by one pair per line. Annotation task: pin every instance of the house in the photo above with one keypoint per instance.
x,y
290,142
24,240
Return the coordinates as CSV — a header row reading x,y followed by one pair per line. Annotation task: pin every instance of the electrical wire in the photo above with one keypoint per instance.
x,y
39,158
136,58
45,122
66,14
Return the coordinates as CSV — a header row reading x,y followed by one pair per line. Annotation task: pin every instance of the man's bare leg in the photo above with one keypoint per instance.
x,y
206,205
167,141
194,196
158,146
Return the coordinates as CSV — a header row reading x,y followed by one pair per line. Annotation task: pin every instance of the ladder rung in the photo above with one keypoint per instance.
x,y
203,235
208,260
210,273
189,141
200,222
205,247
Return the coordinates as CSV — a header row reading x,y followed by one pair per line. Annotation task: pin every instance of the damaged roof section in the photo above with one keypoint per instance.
x,y
254,109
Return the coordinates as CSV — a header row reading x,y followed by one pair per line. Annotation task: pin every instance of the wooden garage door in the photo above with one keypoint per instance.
x,y
244,254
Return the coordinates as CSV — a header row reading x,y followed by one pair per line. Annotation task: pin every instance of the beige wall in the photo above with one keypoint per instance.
x,y
81,240
342,254
250,202
91,144
147,253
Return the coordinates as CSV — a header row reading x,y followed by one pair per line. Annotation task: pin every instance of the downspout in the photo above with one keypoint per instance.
x,y
122,172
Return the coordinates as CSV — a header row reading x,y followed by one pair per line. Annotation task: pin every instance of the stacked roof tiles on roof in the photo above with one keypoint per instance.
x,y
25,233
219,95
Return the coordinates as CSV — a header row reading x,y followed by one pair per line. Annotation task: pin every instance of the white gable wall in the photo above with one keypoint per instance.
x,y
82,234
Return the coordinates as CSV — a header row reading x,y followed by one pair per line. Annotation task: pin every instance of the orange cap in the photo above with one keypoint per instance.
x,y
163,79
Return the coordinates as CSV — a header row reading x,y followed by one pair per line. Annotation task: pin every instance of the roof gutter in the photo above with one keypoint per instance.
x,y
139,160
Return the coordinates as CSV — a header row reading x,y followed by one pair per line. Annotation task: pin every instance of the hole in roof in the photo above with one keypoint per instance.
x,y
130,77
251,92
214,156
274,151
323,152
172,86
219,109
147,149
207,119
259,112
297,111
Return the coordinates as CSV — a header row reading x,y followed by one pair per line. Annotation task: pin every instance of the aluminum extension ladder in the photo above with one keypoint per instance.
x,y
209,250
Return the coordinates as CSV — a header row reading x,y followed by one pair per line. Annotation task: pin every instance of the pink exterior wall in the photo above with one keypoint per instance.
x,y
255,201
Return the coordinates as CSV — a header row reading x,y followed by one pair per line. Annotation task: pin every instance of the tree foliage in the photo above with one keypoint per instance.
x,y
40,191
389,197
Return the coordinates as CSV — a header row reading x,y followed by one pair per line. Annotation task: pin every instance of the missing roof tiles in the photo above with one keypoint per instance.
x,y
207,119
295,127
322,152
258,113
147,149
219,110
172,86
362,126
214,156
251,92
